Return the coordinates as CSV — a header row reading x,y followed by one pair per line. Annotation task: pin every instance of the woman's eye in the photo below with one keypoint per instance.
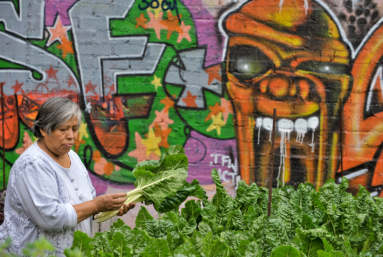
x,y
326,68
247,62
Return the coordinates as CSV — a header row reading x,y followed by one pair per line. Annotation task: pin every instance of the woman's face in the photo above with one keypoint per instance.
x,y
61,140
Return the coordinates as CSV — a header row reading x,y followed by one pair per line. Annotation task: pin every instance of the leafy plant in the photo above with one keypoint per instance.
x,y
304,222
161,183
39,248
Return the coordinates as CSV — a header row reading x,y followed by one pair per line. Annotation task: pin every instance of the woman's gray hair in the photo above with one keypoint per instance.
x,y
54,112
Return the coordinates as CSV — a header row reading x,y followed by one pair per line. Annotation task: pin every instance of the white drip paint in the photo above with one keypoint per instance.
x,y
258,123
301,128
284,127
313,123
268,125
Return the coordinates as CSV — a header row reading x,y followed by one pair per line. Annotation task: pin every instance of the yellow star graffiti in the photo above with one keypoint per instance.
x,y
217,123
82,131
156,82
152,143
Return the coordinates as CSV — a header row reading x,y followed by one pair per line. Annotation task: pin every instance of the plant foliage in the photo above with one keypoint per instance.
x,y
304,222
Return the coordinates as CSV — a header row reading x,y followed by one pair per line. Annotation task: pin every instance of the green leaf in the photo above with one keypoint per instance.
x,y
209,213
73,253
81,241
197,240
327,246
158,228
174,239
38,248
119,226
156,187
330,254
137,241
191,210
172,158
100,244
185,250
285,251
173,202
119,246
253,250
224,208
187,228
217,180
237,220
142,217
204,228
207,244
4,245
307,244
246,196
348,250
307,222
172,217
238,241
158,247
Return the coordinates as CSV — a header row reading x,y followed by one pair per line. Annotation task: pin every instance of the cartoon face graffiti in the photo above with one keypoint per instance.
x,y
292,58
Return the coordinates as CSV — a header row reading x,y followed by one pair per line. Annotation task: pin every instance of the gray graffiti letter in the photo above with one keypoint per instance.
x,y
99,54
56,75
188,72
29,23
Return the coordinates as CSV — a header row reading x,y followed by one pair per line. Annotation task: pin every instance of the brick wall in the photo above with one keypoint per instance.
x,y
207,75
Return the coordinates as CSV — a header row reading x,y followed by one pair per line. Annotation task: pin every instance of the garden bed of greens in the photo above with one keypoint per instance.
x,y
303,221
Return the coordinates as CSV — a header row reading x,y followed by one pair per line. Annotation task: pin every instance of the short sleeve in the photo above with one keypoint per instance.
x,y
38,191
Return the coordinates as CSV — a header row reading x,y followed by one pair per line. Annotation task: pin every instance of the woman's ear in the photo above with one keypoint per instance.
x,y
43,132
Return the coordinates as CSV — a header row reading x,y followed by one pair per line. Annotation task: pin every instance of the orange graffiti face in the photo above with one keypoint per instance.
x,y
290,58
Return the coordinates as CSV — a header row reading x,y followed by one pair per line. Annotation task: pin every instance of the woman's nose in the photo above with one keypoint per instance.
x,y
70,134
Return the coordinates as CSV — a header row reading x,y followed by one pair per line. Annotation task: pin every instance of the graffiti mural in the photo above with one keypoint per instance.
x,y
207,75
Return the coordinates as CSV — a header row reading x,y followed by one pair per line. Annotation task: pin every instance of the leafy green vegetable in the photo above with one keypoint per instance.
x,y
285,251
157,181
303,222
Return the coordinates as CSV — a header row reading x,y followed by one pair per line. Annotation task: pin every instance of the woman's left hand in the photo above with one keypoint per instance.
x,y
125,208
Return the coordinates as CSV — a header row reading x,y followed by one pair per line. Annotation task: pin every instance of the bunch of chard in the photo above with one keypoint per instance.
x,y
161,183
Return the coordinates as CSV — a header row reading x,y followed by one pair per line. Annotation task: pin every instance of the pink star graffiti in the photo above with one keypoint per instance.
x,y
184,33
226,105
162,119
58,32
155,24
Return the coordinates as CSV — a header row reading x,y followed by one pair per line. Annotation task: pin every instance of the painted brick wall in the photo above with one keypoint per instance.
x,y
205,74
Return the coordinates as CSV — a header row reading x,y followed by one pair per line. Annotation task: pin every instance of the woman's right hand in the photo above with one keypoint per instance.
x,y
109,202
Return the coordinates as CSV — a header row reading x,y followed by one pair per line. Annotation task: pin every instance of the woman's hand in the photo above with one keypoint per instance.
x,y
126,208
109,202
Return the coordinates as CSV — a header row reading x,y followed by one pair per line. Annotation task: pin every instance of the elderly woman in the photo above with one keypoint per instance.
x,y
49,190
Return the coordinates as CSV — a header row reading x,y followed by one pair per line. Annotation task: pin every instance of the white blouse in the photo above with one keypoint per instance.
x,y
39,200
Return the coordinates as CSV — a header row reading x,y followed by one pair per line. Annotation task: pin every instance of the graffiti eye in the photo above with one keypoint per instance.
x,y
246,63
326,68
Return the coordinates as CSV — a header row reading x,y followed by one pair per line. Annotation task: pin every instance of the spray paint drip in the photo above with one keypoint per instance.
x,y
301,128
268,125
284,127
313,123
258,124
